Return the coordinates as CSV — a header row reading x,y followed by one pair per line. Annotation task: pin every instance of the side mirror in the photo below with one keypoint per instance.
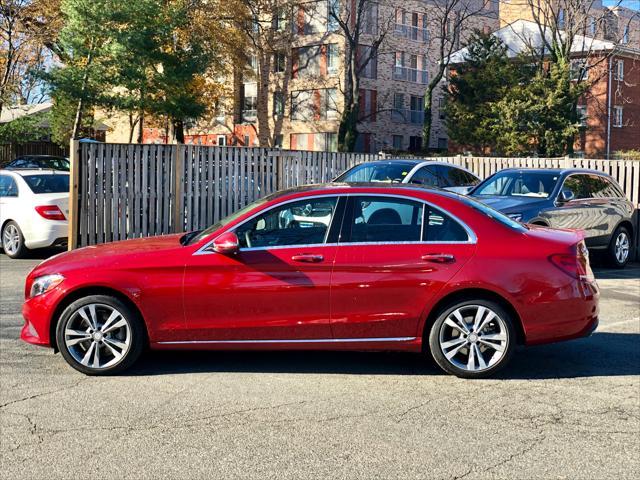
x,y
566,196
227,243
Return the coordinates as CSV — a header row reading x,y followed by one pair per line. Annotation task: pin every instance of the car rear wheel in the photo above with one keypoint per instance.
x,y
620,248
13,240
100,335
472,339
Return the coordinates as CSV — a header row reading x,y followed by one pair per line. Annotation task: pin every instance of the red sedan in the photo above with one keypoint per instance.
x,y
358,267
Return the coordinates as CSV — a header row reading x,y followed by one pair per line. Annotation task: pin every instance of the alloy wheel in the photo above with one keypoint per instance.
x,y
97,336
622,247
11,239
473,338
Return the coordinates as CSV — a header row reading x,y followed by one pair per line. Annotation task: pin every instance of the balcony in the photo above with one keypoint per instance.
x,y
412,33
410,75
415,117
249,116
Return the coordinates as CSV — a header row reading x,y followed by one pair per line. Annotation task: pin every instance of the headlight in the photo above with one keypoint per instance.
x,y
44,284
515,216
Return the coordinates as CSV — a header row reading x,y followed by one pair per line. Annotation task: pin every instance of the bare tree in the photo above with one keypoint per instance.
x,y
449,20
364,34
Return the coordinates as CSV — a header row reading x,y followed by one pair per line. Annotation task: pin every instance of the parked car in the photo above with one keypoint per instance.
x,y
571,198
33,209
416,172
395,268
49,162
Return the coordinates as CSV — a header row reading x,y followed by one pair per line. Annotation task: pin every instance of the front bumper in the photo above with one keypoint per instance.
x,y
37,313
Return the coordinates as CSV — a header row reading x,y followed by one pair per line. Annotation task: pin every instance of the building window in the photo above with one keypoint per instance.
x,y
442,104
332,58
306,61
278,104
581,113
619,72
579,70
280,19
319,142
246,140
279,62
625,35
221,141
561,18
396,142
411,25
368,105
412,68
370,19
617,117
316,17
443,143
309,105
277,141
416,109
593,25
397,114
415,143
367,62
249,102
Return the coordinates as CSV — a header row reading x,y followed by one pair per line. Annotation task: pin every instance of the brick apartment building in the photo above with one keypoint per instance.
x,y
610,109
305,91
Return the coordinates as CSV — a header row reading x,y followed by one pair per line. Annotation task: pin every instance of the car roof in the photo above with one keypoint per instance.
x,y
37,157
327,188
559,171
25,172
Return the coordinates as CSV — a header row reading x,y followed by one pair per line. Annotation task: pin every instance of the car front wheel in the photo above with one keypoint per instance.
x,y
472,339
13,240
100,335
620,248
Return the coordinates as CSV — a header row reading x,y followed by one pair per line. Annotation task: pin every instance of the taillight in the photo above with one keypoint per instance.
x,y
575,264
50,212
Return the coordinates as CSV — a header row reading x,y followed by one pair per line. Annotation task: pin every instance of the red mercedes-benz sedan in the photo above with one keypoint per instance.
x,y
359,267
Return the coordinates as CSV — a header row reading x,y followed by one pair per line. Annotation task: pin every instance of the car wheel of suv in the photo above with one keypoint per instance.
x,y
620,248
13,240
100,335
472,339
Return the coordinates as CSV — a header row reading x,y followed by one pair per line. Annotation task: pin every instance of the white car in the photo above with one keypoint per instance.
x,y
418,172
34,205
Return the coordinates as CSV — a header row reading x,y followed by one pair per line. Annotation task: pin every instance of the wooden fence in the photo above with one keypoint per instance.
x,y
122,191
9,151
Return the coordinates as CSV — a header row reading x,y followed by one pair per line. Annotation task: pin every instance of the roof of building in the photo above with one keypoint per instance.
x,y
12,113
524,36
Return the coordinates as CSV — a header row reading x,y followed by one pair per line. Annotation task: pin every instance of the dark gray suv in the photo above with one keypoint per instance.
x,y
582,199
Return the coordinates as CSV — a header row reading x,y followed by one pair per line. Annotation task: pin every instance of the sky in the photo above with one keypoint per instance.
x,y
635,4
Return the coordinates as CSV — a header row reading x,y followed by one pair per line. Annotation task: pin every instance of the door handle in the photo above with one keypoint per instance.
x,y
439,258
307,258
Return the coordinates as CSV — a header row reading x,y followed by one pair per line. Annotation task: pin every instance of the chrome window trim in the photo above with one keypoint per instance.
x,y
310,340
472,238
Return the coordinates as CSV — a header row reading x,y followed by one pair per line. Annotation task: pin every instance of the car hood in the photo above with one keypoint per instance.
x,y
113,254
511,204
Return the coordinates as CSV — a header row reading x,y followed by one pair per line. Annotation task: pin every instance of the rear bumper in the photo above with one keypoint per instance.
x,y
46,234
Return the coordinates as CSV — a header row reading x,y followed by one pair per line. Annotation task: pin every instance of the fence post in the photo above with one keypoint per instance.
x,y
280,171
178,187
74,175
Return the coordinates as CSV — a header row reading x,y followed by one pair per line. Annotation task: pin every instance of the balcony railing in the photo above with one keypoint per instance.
x,y
413,33
404,115
249,116
410,75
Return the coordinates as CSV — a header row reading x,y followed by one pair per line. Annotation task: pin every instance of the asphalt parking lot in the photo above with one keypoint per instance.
x,y
567,410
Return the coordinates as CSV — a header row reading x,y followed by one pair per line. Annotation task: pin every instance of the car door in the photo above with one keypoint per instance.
x,y
578,209
8,198
276,287
388,266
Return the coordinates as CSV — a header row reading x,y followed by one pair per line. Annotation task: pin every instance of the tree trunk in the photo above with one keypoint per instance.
x,y
178,130
77,123
141,127
348,128
262,86
427,122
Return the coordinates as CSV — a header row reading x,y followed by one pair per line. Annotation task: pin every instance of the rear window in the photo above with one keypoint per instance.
x,y
47,183
392,172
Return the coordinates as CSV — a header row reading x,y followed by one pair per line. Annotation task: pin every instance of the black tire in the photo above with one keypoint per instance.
x,y
439,327
612,257
20,251
101,303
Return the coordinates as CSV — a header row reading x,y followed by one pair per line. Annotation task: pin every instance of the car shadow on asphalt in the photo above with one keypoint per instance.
x,y
603,354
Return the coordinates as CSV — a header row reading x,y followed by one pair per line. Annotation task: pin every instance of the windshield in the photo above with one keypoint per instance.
x,y
493,214
519,184
392,172
225,221
48,183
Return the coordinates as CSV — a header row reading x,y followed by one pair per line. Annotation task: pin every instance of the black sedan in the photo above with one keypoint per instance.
x,y
49,162
571,198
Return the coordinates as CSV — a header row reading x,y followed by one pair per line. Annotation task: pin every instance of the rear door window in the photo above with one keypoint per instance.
x,y
578,185
441,227
424,177
382,219
456,177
